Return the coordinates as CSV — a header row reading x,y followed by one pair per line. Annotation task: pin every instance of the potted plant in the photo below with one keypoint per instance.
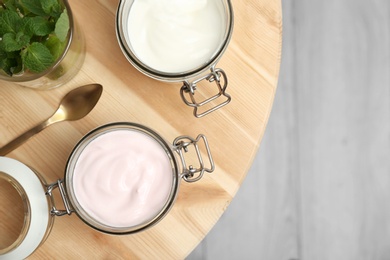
x,y
37,37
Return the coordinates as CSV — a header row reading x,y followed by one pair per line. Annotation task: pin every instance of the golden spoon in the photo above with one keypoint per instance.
x,y
75,105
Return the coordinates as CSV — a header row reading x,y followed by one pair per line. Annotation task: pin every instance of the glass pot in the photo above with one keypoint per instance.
x,y
62,70
38,199
178,41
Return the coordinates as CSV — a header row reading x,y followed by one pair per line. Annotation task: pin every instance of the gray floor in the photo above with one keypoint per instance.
x,y
320,185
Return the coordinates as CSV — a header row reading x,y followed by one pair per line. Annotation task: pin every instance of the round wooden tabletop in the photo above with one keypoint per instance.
x,y
234,132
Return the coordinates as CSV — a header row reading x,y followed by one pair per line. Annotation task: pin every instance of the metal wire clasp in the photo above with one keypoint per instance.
x,y
64,197
191,173
188,89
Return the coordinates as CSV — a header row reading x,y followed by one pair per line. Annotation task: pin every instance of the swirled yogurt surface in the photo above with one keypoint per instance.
x,y
175,36
123,178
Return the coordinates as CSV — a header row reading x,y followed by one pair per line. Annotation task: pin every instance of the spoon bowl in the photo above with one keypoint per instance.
x,y
79,102
73,106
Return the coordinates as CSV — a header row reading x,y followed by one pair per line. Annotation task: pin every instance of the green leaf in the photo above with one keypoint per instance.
x,y
22,39
11,5
55,46
18,65
37,57
3,53
52,7
8,62
15,42
3,57
34,6
38,26
9,22
7,65
62,26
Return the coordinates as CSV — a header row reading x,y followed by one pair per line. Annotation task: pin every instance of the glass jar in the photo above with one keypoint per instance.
x,y
62,70
96,199
37,221
178,41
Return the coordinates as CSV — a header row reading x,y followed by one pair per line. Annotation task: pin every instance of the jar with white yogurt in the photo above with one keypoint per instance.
x,y
120,178
178,41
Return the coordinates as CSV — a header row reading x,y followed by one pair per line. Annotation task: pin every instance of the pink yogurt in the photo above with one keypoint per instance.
x,y
123,178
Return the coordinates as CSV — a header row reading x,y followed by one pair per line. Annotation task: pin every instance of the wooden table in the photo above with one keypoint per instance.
x,y
252,63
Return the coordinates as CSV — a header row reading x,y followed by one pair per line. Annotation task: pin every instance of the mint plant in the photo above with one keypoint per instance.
x,y
33,34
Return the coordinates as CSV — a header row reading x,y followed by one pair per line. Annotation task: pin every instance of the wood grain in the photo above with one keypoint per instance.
x,y
234,132
262,222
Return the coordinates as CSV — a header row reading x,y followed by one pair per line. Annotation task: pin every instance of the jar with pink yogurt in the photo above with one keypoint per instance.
x,y
120,178
124,177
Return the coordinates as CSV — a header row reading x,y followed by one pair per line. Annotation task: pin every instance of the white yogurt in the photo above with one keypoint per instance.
x,y
123,178
174,36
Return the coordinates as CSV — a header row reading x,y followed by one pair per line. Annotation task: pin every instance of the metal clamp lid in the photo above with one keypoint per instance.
x,y
191,174
189,88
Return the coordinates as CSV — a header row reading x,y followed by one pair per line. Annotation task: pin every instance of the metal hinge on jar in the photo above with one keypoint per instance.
x,y
191,173
216,75
49,191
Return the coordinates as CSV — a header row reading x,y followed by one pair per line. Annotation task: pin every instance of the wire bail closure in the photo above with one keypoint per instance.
x,y
188,89
54,211
189,173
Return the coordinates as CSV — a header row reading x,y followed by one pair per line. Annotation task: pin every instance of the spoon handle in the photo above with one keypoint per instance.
x,y
22,138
